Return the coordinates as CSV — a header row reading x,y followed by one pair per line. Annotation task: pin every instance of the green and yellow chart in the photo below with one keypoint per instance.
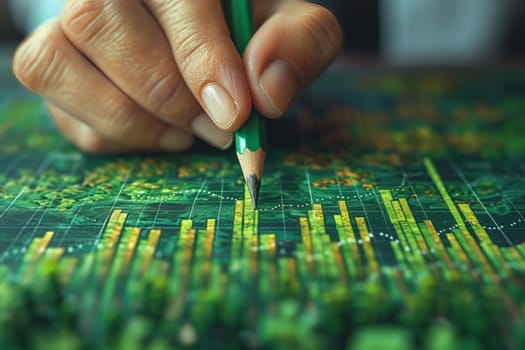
x,y
391,215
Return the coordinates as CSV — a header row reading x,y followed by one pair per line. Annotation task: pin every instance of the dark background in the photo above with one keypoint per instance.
x,y
360,22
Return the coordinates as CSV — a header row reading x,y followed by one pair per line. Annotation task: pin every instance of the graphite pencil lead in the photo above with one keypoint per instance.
x,y
254,184
252,167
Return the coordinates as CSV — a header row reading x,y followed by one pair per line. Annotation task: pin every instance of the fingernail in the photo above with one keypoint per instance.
x,y
279,85
205,129
175,140
220,105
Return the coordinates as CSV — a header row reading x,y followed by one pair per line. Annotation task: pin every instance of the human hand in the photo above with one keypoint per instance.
x,y
122,75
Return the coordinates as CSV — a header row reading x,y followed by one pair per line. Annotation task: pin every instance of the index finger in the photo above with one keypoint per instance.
x,y
206,57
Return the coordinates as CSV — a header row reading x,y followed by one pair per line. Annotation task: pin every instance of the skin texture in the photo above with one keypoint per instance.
x,y
128,75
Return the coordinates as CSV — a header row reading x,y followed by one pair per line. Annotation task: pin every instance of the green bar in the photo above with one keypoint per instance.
x,y
434,175
416,254
116,267
345,248
197,275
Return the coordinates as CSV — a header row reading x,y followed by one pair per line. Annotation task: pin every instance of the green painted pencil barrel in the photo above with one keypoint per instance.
x,y
252,135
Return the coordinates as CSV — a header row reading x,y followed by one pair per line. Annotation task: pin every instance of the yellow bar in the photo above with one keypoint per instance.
x,y
182,257
130,249
187,254
485,267
271,244
474,222
439,244
254,253
237,236
32,254
386,196
414,229
185,226
287,274
112,221
434,175
367,244
307,242
210,228
516,257
48,263
493,252
319,218
55,253
45,241
354,256
406,210
320,240
153,239
521,249
249,214
459,250
423,250
398,211
238,218
460,222
67,266
400,259
420,239
305,234
208,244
268,267
113,231
339,261
412,242
86,265
345,216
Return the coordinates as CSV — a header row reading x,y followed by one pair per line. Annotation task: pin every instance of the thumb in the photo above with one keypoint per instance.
x,y
292,48
207,58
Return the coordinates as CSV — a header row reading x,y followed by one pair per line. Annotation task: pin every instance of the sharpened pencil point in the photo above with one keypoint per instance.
x,y
251,165
253,186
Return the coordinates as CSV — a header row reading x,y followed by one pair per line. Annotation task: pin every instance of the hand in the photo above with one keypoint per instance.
x,y
122,75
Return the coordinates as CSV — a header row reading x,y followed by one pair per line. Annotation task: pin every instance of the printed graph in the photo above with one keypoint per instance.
x,y
391,215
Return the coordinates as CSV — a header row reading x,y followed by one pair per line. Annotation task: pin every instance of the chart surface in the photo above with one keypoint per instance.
x,y
391,214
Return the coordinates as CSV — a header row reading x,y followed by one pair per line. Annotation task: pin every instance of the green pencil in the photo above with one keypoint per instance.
x,y
250,139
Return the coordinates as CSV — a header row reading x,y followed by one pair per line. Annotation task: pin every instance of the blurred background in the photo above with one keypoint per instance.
x,y
396,31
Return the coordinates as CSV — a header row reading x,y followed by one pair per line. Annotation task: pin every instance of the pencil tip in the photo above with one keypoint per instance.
x,y
253,186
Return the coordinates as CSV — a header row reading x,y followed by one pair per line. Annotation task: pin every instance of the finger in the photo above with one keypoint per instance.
x,y
288,52
205,129
82,135
206,57
49,65
89,140
126,43
128,46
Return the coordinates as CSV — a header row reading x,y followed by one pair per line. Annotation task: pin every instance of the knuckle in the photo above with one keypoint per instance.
x,y
119,121
161,90
85,20
38,64
324,30
192,51
129,125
